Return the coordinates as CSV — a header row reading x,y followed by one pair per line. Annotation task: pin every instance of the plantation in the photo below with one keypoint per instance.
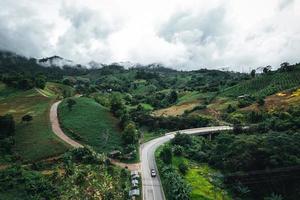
x,y
91,124
78,174
266,84
60,90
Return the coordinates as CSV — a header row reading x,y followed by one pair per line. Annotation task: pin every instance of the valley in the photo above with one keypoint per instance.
x,y
203,129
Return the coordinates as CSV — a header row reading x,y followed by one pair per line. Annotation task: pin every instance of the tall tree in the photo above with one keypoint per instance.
x,y
252,73
267,69
130,134
173,97
116,105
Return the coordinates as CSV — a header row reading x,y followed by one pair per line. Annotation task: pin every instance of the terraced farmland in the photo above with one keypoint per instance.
x,y
265,85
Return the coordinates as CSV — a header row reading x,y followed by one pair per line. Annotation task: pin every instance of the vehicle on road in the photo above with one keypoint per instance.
x,y
153,173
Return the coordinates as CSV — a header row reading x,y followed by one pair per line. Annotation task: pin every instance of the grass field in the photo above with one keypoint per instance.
x,y
34,140
200,177
189,97
91,124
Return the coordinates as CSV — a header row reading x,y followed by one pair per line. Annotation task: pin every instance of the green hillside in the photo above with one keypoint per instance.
x,y
90,123
57,89
266,84
34,140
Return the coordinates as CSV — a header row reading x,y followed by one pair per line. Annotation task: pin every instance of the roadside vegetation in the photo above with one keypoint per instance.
x,y
78,174
195,179
243,165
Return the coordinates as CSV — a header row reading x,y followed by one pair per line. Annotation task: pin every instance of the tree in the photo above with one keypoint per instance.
x,y
27,118
70,103
173,97
178,150
130,134
7,126
183,168
116,105
285,66
176,187
25,84
237,128
181,139
255,117
230,109
261,101
267,69
40,81
253,73
166,155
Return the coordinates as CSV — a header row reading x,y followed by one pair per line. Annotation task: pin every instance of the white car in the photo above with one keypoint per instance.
x,y
153,173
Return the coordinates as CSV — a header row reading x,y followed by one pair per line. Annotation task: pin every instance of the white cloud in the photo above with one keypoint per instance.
x,y
183,34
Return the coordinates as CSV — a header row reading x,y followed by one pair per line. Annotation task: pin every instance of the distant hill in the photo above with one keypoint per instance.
x,y
12,64
267,84
55,61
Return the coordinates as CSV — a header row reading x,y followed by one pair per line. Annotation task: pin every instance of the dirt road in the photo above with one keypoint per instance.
x,y
56,127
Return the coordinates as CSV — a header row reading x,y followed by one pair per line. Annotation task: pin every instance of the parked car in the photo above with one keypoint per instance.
x,y
153,173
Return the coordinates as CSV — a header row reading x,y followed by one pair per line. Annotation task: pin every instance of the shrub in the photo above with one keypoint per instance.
x,y
84,155
166,155
7,126
27,118
175,186
183,168
178,150
181,139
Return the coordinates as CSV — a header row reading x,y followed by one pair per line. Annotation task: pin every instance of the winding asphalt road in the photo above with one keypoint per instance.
x,y
152,187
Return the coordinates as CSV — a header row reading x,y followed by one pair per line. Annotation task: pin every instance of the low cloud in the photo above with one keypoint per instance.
x,y
185,35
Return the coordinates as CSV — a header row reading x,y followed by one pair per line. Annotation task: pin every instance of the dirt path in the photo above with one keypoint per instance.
x,y
56,128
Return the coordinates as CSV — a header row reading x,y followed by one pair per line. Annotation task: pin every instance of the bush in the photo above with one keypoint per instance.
x,y
166,155
6,145
230,109
183,168
181,139
36,186
7,126
84,155
178,150
175,186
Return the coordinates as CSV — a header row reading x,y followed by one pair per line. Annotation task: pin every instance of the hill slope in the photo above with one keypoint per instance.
x,y
34,140
90,123
267,84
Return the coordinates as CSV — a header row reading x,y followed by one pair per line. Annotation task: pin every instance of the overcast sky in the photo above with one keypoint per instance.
x,y
183,34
